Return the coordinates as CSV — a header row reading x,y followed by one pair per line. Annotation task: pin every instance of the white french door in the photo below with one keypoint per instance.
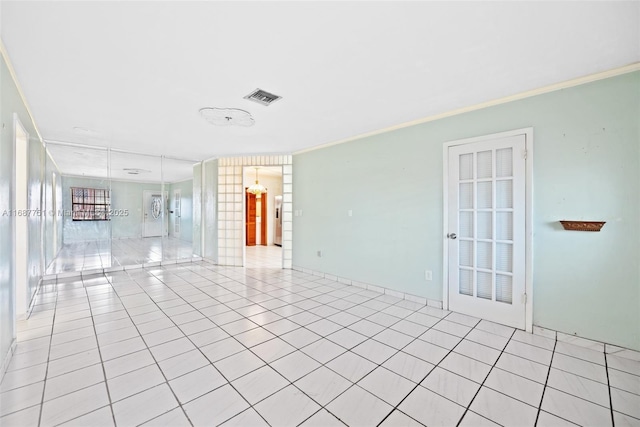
x,y
486,235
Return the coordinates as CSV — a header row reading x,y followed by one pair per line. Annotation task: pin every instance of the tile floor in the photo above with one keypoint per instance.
x,y
263,256
197,344
118,252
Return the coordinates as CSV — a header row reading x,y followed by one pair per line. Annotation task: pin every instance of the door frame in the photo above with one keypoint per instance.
x,y
528,133
20,246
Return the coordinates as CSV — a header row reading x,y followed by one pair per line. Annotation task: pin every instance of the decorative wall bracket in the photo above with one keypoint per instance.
x,y
583,225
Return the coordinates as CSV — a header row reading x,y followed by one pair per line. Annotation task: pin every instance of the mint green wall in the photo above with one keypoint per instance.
x,y
586,166
10,103
186,214
197,211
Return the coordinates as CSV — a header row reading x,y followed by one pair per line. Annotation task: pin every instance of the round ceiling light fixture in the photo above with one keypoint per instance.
x,y
227,116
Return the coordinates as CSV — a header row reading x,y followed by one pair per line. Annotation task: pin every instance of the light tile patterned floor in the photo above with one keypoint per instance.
x,y
263,256
118,252
197,344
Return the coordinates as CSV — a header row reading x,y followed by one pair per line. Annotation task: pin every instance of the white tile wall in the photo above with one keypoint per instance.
x,y
230,210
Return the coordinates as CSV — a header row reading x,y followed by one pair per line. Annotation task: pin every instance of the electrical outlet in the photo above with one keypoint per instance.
x,y
428,275
350,212
320,254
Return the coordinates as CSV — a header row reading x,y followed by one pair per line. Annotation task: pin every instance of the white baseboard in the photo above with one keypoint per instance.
x,y
371,287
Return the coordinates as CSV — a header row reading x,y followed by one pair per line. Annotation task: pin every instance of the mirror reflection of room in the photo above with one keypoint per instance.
x,y
263,216
117,209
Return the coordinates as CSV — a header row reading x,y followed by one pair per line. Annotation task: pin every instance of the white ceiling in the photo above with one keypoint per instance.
x,y
135,74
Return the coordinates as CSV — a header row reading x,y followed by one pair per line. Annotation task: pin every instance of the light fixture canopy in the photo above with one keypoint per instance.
x,y
256,188
227,116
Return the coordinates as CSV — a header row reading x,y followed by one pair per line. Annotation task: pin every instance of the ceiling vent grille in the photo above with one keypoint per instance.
x,y
262,97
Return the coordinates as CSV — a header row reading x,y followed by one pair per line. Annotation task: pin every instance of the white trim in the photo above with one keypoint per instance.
x,y
528,215
522,95
20,223
371,287
528,133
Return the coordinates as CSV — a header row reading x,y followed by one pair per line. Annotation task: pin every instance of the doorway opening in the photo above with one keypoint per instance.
x,y
263,217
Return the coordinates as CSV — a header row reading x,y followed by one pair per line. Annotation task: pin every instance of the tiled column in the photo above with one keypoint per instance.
x,y
230,201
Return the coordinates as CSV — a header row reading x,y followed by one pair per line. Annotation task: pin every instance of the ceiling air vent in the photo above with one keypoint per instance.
x,y
262,97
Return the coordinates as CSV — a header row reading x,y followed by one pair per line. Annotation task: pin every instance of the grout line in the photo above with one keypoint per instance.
x,y
104,373
244,285
485,378
606,368
546,381
44,386
166,380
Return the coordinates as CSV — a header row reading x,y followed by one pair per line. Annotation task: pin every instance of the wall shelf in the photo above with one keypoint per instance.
x,y
582,225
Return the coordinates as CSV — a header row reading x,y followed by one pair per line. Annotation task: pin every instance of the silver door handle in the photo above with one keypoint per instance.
x,y
452,236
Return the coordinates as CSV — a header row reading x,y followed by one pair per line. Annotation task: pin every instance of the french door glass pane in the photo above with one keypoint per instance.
x,y
504,288
485,225
504,162
466,253
466,196
484,285
504,194
466,224
504,257
465,285
484,195
504,226
484,255
466,166
484,164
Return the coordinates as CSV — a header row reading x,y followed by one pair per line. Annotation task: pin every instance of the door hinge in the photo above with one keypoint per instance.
x,y
524,298
525,153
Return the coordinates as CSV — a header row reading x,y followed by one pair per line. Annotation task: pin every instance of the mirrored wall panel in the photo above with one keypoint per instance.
x,y
139,215
81,209
178,178
119,210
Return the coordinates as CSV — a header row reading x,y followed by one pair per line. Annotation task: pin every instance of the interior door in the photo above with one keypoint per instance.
x,y
250,219
486,236
263,219
154,217
177,195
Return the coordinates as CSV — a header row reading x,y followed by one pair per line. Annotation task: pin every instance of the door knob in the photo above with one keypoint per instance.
x,y
452,236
